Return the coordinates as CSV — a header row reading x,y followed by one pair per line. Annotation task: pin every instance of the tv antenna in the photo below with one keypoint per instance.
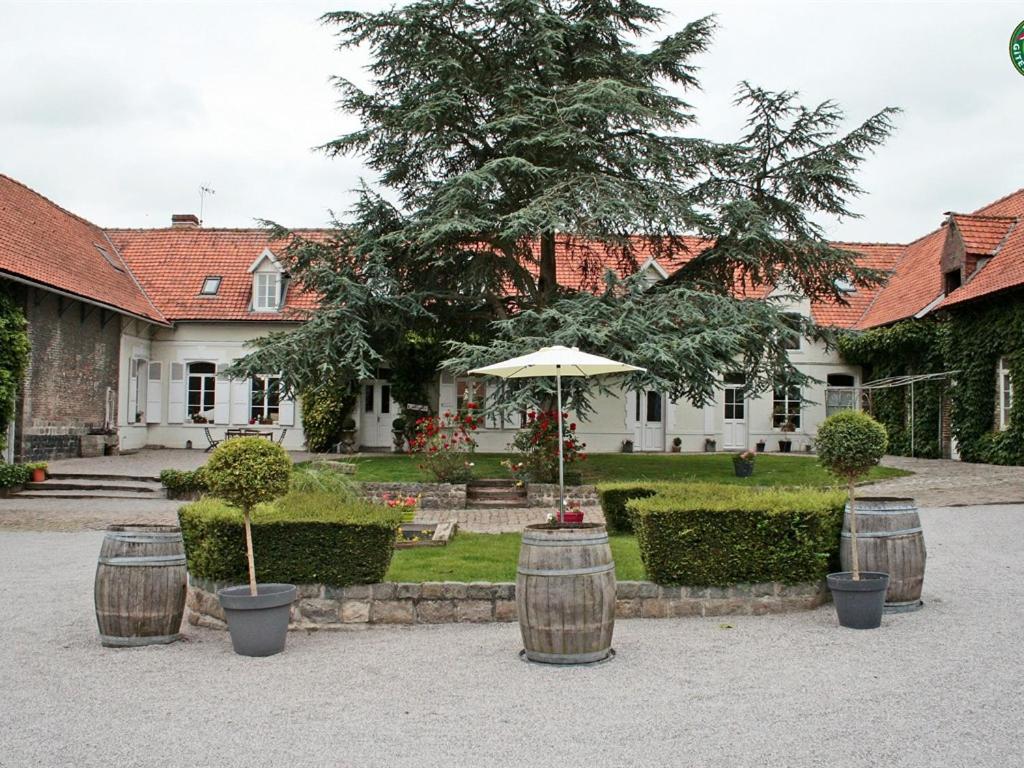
x,y
204,190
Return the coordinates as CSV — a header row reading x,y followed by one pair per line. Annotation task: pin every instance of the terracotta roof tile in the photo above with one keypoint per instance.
x,y
45,244
877,256
982,234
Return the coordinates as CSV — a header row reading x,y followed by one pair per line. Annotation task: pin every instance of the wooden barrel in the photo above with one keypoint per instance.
x,y
140,585
889,540
565,593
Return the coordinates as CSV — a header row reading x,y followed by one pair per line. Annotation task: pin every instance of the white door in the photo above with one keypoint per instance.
x,y
650,419
734,417
377,415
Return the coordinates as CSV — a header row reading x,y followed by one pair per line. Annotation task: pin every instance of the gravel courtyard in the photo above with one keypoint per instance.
x,y
940,687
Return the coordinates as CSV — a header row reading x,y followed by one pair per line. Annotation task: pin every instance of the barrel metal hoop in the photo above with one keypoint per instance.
x,y
144,538
149,560
568,658
568,572
884,512
132,642
882,534
565,542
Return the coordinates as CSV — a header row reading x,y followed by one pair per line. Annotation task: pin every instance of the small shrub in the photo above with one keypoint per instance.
x,y
302,538
306,479
444,445
181,484
244,472
13,474
713,535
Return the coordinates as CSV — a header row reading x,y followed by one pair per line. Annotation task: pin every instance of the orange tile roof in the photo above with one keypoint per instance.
x,y
47,245
877,256
982,234
1005,270
172,264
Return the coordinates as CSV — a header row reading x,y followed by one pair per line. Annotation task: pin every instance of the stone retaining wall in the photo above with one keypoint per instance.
x,y
432,495
546,494
444,602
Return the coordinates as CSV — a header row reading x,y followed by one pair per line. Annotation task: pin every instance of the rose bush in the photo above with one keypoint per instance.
x,y
537,445
444,444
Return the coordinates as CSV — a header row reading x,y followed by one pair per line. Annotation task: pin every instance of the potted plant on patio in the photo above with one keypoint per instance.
x,y
627,446
743,463
677,444
786,444
245,472
849,444
761,446
37,471
398,434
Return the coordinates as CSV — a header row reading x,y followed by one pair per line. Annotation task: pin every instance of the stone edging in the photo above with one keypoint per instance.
x,y
444,602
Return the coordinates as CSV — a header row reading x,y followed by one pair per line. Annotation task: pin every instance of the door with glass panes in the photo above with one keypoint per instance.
x,y
650,421
377,415
734,416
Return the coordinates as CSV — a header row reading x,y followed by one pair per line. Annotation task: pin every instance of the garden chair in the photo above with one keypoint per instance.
x,y
209,438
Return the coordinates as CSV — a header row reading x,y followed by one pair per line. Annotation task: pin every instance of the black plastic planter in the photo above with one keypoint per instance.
x,y
743,468
785,446
258,625
859,603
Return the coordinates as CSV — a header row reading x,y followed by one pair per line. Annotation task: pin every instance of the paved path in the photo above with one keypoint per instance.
x,y
938,482
940,687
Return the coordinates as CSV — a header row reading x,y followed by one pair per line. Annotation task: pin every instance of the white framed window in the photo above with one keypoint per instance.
x,y
202,392
792,341
266,291
786,404
1005,393
265,406
840,394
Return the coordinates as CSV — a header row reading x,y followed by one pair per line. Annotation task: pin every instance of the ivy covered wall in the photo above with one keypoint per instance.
x,y
906,348
970,340
14,349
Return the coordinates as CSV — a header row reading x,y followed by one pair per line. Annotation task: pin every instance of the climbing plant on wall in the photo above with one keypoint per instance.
x,y
975,338
14,348
908,347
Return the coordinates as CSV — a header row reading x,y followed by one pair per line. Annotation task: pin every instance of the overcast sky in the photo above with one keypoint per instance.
x,y
120,111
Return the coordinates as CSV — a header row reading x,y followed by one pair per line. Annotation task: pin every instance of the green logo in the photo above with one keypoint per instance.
x,y
1017,47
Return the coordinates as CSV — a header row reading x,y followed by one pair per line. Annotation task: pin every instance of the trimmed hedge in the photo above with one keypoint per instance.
x,y
184,484
301,538
13,474
714,535
613,498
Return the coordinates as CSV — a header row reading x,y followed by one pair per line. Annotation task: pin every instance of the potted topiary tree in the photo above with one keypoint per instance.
x,y
246,471
398,427
849,444
677,444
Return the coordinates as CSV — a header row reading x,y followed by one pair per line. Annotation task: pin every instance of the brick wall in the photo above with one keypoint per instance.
x,y
74,359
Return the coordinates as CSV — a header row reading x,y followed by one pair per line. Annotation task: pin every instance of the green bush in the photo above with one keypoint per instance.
x,y
310,479
13,474
850,443
302,538
715,535
180,483
246,471
613,498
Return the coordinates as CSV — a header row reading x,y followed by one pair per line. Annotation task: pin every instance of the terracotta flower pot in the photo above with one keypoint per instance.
x,y
38,475
573,516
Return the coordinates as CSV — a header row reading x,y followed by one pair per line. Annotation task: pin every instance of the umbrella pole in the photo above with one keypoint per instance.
x,y
561,460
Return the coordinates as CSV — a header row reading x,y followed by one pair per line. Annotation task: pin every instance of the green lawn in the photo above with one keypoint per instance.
x,y
491,557
683,467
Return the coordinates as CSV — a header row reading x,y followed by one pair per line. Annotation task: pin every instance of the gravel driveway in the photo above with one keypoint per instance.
x,y
940,687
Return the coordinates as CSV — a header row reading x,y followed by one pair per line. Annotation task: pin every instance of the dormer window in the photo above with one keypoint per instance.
x,y
845,285
266,291
210,286
951,281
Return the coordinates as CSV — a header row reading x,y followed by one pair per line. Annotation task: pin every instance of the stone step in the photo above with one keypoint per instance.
x,y
519,498
89,495
493,482
495,503
101,476
95,485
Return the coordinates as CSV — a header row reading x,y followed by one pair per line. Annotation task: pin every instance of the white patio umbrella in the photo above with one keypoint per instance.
x,y
558,362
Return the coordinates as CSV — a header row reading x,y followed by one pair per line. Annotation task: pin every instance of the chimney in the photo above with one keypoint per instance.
x,y
185,221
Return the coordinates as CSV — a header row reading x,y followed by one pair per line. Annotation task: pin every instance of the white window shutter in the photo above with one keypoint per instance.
x,y
222,398
240,401
176,394
133,390
446,398
154,393
286,412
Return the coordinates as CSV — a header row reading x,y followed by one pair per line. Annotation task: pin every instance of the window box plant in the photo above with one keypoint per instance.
x,y
743,463
849,444
245,472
